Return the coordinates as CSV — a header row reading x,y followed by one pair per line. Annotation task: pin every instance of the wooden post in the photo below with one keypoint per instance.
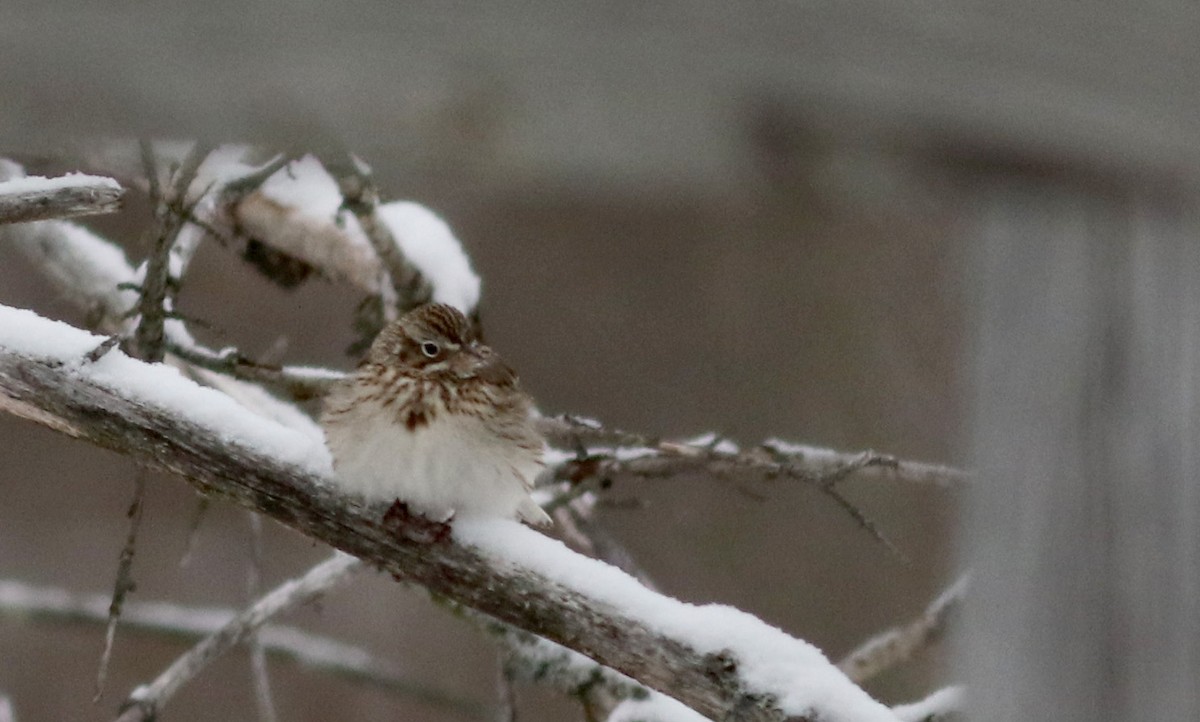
x,y
1084,529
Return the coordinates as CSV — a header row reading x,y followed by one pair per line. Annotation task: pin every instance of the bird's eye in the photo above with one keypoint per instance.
x,y
430,349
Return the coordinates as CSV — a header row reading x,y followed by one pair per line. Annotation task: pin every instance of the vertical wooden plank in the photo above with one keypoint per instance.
x,y
1085,526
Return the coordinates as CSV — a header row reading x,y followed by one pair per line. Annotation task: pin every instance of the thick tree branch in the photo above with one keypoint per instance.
x,y
488,567
70,196
175,621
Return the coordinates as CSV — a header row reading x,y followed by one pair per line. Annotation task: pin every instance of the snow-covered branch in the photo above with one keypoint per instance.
x,y
899,644
34,198
620,452
146,701
721,662
941,706
405,282
176,621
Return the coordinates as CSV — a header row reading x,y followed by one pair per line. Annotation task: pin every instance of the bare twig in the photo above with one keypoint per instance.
x,y
600,544
771,460
171,208
193,531
258,657
595,468
124,583
146,701
361,197
173,621
899,644
229,459
298,382
70,196
506,699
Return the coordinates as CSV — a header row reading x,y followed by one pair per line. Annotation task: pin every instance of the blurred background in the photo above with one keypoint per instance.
x,y
688,217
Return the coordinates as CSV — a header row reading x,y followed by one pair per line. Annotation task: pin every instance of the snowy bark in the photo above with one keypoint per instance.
x,y
37,199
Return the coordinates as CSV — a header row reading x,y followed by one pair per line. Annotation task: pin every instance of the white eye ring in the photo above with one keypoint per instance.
x,y
430,349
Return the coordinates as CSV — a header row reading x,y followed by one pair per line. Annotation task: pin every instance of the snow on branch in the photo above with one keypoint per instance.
x,y
300,211
721,662
34,198
83,267
942,705
169,620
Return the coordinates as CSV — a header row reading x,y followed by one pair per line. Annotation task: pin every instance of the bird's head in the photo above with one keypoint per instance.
x,y
436,340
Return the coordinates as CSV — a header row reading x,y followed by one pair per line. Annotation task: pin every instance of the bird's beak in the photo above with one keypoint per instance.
x,y
488,366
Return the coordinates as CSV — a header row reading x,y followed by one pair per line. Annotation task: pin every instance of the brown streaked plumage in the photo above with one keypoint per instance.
x,y
436,419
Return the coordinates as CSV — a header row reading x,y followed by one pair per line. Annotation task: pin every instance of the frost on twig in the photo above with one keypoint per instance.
x,y
773,459
33,198
602,456
146,701
124,581
721,662
899,644
173,621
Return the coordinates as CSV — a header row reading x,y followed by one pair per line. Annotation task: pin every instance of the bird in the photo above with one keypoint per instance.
x,y
434,421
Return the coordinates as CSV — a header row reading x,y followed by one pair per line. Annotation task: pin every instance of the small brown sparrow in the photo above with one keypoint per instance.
x,y
436,421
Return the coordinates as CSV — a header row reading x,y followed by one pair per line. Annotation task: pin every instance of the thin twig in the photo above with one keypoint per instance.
x,y
298,382
193,532
124,582
38,199
169,210
770,460
506,698
146,701
899,644
263,697
601,545
173,621
361,197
